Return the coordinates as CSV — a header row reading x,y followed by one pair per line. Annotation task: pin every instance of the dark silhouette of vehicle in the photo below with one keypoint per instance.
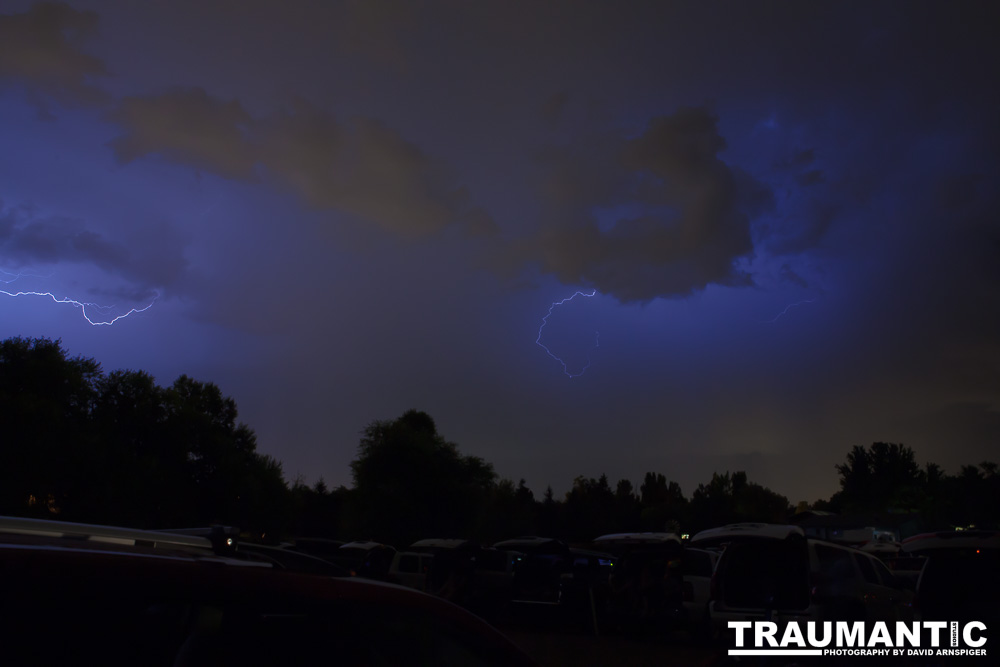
x,y
774,572
960,580
365,558
645,591
110,596
539,573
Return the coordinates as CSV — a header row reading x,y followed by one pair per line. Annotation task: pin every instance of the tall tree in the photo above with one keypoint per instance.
x,y
411,483
884,477
45,403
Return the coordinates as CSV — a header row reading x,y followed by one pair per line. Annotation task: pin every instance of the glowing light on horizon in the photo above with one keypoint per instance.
x,y
545,320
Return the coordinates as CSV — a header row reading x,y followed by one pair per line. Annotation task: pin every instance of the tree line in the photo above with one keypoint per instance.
x,y
116,448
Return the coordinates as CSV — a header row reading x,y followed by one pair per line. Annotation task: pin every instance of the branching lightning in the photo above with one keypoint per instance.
x,y
96,321
787,308
545,320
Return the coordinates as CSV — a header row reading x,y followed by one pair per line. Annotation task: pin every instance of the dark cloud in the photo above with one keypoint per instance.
x,y
41,49
811,177
362,167
798,159
554,107
27,240
695,225
189,126
805,230
478,223
788,274
393,182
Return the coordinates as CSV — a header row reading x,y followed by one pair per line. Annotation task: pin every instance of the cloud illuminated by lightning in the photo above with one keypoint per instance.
x,y
787,308
82,305
545,320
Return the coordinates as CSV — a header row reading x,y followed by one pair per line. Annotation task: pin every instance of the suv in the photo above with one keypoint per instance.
x,y
772,572
73,594
960,580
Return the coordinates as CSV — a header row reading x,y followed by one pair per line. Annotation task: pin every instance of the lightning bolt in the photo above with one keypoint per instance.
x,y
82,305
545,320
788,308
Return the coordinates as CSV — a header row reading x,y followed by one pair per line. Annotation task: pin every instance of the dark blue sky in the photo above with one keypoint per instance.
x,y
346,210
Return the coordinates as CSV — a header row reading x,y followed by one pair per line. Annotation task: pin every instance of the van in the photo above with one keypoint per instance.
x,y
410,569
776,573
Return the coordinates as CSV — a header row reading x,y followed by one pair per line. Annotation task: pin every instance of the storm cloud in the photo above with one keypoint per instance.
x,y
693,227
42,49
28,240
361,167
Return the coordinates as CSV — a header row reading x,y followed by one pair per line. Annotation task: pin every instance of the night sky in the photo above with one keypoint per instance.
x,y
786,213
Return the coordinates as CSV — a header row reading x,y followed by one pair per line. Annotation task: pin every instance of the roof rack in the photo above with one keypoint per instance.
x,y
211,539
224,539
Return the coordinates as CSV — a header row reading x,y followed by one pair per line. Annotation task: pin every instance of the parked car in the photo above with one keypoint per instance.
x,y
646,583
697,568
411,569
960,580
365,558
539,573
773,572
495,570
72,595
906,570
316,546
286,559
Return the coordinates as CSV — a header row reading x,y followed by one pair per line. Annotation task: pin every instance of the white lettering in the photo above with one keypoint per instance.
x,y
821,641
792,635
739,627
850,634
936,627
967,634
765,630
880,635
911,633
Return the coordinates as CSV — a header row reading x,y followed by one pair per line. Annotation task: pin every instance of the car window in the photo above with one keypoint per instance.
x,y
492,560
888,578
409,564
867,569
765,573
834,563
696,564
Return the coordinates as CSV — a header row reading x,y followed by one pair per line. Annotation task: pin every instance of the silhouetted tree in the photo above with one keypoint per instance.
x,y
589,509
731,498
663,504
45,403
119,449
885,477
411,483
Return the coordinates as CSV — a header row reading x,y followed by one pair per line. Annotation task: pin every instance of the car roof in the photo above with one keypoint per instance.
x,y
79,533
436,543
747,530
55,565
952,539
366,545
639,538
531,543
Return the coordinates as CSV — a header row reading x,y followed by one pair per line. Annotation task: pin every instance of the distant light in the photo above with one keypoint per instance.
x,y
229,541
686,536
